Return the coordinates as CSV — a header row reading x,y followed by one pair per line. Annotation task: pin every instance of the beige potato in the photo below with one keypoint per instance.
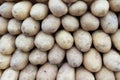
x,y
30,27
37,57
28,73
64,39
101,41
41,0
83,74
92,60
78,8
66,72
6,9
39,11
114,5
89,22
47,41
19,60
56,55
109,23
70,23
14,26
4,61
10,74
7,44
104,74
57,7
50,24
21,10
117,75
69,1
111,60
24,43
47,72
83,40
100,8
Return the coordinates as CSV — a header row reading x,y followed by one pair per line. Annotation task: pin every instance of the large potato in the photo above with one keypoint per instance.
x,y
115,5
47,72
101,41
83,40
117,75
66,72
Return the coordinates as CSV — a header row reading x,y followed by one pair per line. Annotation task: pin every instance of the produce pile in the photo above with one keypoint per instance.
x,y
59,40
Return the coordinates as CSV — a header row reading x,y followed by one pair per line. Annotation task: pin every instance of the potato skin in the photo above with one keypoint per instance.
x,y
114,5
117,75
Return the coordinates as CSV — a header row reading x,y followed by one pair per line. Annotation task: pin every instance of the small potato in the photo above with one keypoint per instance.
x,y
83,74
50,24
24,43
19,60
64,39
104,74
41,0
100,8
37,57
21,10
92,60
101,41
112,60
74,57
115,5
39,11
70,23
47,72
14,26
10,74
57,7
117,75
109,23
7,44
6,9
43,41
89,22
69,1
30,27
66,72
28,73
78,8
83,40
4,61
56,55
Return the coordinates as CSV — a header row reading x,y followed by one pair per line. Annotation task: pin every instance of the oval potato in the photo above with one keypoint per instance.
x,y
115,5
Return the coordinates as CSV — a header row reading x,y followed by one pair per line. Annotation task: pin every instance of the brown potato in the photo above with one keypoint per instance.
x,y
117,75
115,5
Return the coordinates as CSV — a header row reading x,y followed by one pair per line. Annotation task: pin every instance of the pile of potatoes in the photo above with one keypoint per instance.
x,y
59,40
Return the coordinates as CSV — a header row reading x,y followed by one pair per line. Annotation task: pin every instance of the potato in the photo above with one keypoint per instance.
x,y
37,57
4,61
70,23
39,11
78,8
14,26
83,74
66,72
6,9
57,7
47,72
111,60
92,60
41,0
99,8
109,22
24,43
116,39
83,40
104,74
19,60
56,55
7,44
89,22
117,75
10,74
69,1
101,41
74,57
47,41
30,27
28,73
21,10
64,39
50,24
3,25
114,5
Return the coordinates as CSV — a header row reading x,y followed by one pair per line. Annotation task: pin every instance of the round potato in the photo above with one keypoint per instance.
x,y
115,5
69,1
117,75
